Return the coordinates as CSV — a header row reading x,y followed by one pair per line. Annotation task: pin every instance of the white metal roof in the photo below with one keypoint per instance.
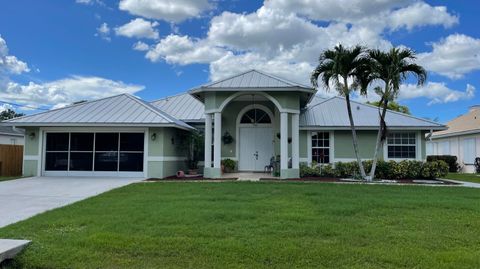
x,y
123,109
9,130
332,113
182,106
252,79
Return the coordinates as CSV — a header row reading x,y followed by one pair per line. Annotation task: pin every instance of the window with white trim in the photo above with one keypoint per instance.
x,y
321,147
402,145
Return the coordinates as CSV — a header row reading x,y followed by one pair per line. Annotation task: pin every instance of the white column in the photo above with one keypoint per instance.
x,y
283,140
295,141
217,136
208,140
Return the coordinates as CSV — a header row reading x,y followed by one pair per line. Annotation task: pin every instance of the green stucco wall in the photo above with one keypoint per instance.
x,y
303,144
31,145
29,168
167,153
287,100
344,146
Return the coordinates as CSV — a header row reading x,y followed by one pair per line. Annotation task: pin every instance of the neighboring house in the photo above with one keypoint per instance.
x,y
265,115
11,136
461,139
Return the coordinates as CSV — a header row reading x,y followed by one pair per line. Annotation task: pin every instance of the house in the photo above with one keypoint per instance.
x,y
265,116
461,139
11,136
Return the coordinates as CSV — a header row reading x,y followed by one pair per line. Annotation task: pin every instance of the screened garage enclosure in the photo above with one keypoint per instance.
x,y
89,153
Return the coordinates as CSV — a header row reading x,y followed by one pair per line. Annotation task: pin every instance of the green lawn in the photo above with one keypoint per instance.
x,y
258,225
9,178
464,177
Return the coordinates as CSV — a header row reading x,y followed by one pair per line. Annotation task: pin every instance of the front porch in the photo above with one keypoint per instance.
x,y
261,115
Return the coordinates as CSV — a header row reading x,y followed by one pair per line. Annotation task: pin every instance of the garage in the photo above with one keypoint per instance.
x,y
94,153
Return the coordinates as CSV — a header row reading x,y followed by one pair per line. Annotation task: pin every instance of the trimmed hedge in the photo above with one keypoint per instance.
x,y
449,159
385,170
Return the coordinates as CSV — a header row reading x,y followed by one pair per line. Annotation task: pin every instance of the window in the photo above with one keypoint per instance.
x,y
321,147
94,152
469,151
401,145
255,116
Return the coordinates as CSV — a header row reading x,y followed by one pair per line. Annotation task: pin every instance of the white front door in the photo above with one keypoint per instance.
x,y
256,148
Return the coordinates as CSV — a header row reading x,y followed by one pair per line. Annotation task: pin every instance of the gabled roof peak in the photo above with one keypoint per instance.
x,y
253,79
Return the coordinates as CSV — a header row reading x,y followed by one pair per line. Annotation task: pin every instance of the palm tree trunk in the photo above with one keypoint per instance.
x,y
354,137
379,140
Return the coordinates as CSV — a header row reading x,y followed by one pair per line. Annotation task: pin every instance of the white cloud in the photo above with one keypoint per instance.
x,y
337,10
421,14
453,56
138,28
4,107
140,46
183,50
65,91
10,64
436,92
393,14
103,31
85,2
90,2
232,64
167,10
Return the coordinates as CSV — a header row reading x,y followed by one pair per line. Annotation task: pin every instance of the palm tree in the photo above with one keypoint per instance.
x,y
336,68
392,68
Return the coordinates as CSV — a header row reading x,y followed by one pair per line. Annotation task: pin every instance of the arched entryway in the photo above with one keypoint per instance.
x,y
255,145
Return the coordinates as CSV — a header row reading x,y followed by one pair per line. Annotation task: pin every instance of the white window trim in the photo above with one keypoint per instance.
x,y
418,148
331,143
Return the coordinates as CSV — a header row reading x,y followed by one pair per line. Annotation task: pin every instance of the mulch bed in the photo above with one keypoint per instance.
x,y
342,180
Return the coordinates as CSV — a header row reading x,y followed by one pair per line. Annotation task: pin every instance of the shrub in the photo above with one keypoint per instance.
x,y
449,159
327,170
477,165
309,171
406,169
229,165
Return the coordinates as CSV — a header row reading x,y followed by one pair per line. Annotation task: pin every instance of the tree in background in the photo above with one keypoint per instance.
x,y
9,114
392,105
343,68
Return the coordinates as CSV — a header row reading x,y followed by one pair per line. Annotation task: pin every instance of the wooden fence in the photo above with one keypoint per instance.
x,y
11,160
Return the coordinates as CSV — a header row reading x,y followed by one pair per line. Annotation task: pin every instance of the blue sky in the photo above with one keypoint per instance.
x,y
53,53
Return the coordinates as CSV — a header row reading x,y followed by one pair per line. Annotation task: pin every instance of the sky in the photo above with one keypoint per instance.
x,y
54,53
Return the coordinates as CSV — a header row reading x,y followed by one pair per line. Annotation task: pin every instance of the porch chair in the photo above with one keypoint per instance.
x,y
269,167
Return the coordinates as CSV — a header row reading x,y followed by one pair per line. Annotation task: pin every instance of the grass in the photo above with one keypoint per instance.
x,y
464,177
258,225
9,178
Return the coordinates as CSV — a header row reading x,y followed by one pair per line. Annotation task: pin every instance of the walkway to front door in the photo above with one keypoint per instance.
x,y
256,148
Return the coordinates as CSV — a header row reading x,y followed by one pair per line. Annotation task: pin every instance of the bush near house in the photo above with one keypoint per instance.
x,y
453,165
385,170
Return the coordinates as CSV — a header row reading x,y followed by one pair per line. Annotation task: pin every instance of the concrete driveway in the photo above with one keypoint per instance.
x,y
23,198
